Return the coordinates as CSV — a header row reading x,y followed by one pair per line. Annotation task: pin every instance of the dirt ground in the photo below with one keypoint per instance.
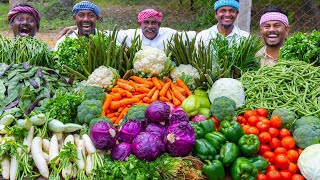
x,y
48,37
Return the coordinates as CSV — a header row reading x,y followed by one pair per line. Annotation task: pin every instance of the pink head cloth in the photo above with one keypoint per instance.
x,y
149,13
24,9
274,16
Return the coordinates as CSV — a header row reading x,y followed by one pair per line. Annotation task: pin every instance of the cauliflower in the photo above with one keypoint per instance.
x,y
151,61
103,76
223,108
187,73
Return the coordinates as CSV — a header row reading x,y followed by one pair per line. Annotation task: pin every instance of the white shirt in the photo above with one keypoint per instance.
x,y
208,34
160,41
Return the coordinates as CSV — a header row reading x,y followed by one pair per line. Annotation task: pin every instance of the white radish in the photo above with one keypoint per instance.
x,y
67,172
13,168
59,136
74,172
69,138
38,158
77,137
45,145
54,148
28,140
2,130
88,143
5,166
89,165
80,156
46,157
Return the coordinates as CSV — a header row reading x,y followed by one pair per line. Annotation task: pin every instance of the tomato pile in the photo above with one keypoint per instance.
x,y
276,144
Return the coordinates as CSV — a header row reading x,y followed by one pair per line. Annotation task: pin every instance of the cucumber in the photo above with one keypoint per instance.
x,y
38,120
55,126
7,119
71,127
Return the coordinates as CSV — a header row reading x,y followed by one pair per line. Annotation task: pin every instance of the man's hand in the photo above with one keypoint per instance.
x,y
67,30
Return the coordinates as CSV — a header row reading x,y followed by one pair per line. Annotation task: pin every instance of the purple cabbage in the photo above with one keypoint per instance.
x,y
198,118
157,112
179,139
157,129
178,116
103,135
121,151
147,146
129,130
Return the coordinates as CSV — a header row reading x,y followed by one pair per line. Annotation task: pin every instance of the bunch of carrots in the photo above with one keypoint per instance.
x,y
137,90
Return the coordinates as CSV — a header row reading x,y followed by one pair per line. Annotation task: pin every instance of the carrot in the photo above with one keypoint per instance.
x,y
175,101
120,109
123,81
107,102
156,82
142,81
164,99
114,105
115,90
142,103
183,91
140,96
155,95
110,115
142,85
176,93
113,119
151,92
126,86
164,89
144,90
169,94
166,79
147,100
134,85
162,83
127,101
108,111
180,83
116,96
123,112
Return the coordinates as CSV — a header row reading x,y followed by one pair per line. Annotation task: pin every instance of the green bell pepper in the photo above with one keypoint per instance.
x,y
249,145
203,127
228,153
216,139
243,169
259,162
232,130
214,170
191,105
204,150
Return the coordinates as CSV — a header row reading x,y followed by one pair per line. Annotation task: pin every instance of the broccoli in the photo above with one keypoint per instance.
x,y
136,113
94,92
288,117
306,120
88,110
223,108
307,135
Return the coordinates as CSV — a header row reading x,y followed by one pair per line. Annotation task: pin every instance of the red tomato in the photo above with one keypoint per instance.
x,y
299,150
269,156
262,112
288,142
272,168
274,143
264,148
253,130
284,133
246,127
275,121
293,155
297,177
249,113
281,161
273,175
261,176
241,120
262,126
285,175
264,137
216,122
265,120
293,168
280,150
253,120
274,132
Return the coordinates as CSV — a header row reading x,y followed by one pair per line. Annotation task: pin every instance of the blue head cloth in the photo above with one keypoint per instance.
x,y
86,5
232,3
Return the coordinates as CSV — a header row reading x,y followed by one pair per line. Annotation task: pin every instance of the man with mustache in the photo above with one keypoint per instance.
x,y
24,20
85,15
274,28
226,12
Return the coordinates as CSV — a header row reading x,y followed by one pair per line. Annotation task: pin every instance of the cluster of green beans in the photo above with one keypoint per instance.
x,y
294,85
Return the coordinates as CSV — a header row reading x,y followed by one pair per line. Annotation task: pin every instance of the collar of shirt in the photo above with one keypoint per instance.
x,y
235,31
266,59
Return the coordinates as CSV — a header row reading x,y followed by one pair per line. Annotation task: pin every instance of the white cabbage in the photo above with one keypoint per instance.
x,y
230,88
308,162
